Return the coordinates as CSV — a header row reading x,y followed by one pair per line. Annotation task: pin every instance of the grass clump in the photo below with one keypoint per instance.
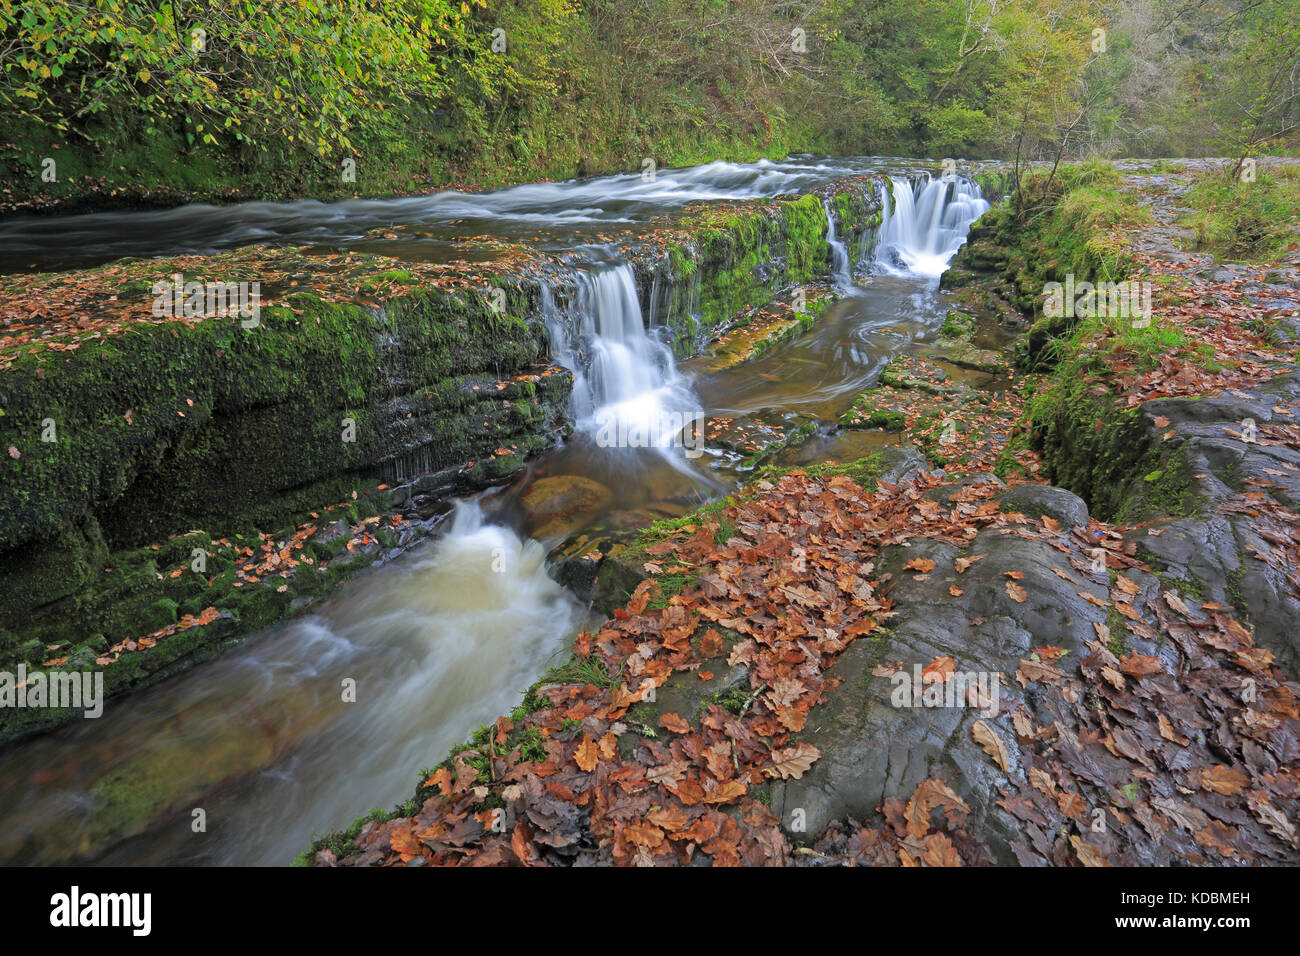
x,y
1246,221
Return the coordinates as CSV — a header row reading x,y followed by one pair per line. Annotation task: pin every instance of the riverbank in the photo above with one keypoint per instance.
x,y
1119,677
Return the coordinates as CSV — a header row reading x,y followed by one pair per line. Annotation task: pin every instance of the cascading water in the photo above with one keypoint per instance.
x,y
839,253
262,739
445,637
627,391
927,223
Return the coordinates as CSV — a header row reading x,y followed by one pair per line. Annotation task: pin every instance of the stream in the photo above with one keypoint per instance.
x,y
449,635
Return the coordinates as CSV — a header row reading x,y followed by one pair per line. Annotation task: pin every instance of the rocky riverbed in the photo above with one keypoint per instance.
x,y
946,660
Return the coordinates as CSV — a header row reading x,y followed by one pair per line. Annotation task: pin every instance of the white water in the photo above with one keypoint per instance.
x,y
66,241
626,382
627,391
438,644
926,226
840,270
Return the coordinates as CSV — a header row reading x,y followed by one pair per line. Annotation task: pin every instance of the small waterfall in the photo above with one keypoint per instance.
x,y
627,390
839,252
927,223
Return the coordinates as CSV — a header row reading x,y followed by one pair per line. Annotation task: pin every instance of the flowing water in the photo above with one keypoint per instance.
x,y
626,382
559,215
927,223
446,637
839,254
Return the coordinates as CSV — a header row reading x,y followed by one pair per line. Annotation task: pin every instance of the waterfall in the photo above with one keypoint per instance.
x,y
927,223
627,390
839,253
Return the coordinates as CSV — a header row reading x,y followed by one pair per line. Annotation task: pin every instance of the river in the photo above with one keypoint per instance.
x,y
261,744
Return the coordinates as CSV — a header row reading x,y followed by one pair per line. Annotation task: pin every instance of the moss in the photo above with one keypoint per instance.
x,y
1232,588
168,427
1071,223
807,252
1118,631
342,842
742,258
863,471
1075,223
733,701
394,276
875,408
1106,456
957,325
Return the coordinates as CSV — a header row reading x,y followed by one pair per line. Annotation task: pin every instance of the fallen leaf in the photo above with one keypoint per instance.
x,y
984,735
795,761
587,755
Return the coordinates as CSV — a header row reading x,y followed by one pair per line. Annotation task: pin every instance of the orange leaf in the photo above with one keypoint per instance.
x,y
674,722
587,755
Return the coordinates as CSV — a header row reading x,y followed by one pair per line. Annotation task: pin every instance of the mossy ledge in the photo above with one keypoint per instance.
x,y
730,259
1070,223
160,429
1074,223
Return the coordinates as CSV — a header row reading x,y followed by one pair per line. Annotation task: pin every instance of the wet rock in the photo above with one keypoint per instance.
x,y
967,356
1212,435
910,372
947,494
885,408
1286,276
556,505
1283,332
1038,500
898,463
1266,599
686,698
618,573
747,442
875,743
576,561
958,326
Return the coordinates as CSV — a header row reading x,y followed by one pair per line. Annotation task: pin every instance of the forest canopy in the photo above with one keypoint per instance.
x,y
202,95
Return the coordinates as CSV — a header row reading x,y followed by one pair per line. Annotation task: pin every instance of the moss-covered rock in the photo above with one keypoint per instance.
x,y
166,427
731,260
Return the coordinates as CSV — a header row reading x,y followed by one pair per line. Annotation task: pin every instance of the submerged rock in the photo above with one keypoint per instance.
x,y
558,504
